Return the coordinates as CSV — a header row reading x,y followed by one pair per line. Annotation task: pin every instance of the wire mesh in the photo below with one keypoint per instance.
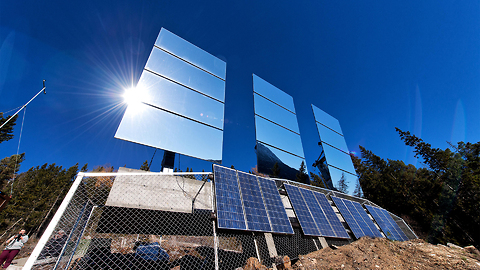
x,y
161,221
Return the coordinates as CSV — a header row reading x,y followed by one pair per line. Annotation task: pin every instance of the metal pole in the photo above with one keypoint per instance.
x,y
43,89
80,237
51,227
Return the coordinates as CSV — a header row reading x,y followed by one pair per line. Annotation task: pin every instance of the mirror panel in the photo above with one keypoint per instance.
x,y
277,136
275,113
336,174
332,138
191,53
338,159
267,156
173,97
272,93
146,125
326,119
180,71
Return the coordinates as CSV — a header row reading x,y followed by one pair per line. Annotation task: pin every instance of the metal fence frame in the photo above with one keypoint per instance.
x,y
230,249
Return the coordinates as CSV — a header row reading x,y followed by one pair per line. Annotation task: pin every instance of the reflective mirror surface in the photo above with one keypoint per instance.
x,y
336,174
326,119
338,159
275,113
173,97
267,156
153,127
184,73
277,136
181,108
332,138
191,53
272,93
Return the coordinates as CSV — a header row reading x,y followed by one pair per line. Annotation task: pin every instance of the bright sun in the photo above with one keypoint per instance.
x,y
135,97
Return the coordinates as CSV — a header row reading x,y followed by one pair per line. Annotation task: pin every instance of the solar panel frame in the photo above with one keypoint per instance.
x,y
358,218
253,204
332,217
229,206
389,227
301,211
277,214
367,220
317,213
349,218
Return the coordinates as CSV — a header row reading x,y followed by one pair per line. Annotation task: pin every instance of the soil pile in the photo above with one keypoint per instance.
x,y
380,253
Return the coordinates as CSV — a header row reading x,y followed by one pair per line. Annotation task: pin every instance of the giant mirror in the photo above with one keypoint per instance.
x,y
182,95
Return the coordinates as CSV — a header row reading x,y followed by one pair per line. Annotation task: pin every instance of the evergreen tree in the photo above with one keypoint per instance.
x,y
36,193
9,166
145,166
275,170
6,132
358,190
342,184
302,175
316,180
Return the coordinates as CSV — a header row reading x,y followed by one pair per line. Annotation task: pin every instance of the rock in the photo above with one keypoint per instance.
x,y
284,263
454,246
472,250
252,264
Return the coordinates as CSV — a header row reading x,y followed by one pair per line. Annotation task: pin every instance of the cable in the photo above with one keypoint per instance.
x,y
18,150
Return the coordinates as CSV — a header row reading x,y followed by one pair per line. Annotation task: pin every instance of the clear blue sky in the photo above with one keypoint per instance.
x,y
372,65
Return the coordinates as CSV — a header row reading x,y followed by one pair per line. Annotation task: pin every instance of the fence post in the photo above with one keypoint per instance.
x,y
51,227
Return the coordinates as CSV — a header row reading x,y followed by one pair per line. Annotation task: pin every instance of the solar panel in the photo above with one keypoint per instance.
x,y
389,227
367,219
337,226
358,218
349,218
301,211
229,205
320,219
276,211
255,213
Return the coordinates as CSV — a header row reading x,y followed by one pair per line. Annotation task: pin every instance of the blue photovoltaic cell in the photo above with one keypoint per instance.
x,y
337,226
229,205
276,211
386,223
255,213
367,220
349,218
358,218
320,219
301,211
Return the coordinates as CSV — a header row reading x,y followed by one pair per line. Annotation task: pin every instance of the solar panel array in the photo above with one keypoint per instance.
x,y
314,213
387,224
356,218
229,205
248,203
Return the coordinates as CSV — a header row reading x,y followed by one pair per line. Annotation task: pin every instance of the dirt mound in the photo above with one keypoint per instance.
x,y
380,253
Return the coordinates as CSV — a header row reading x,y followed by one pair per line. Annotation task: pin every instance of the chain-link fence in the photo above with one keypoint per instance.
x,y
139,220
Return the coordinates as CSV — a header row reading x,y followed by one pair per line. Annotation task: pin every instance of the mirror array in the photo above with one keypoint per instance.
x,y
389,227
356,218
314,213
277,133
334,161
247,202
181,88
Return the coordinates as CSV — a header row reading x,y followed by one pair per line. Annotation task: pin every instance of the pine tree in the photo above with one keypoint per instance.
x,y
275,170
342,184
302,175
9,166
6,132
316,180
358,190
145,166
